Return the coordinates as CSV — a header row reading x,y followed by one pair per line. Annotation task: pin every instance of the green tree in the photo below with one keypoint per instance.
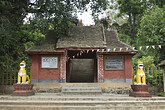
x,y
60,13
148,61
15,36
146,24
12,13
133,9
152,27
159,3
152,30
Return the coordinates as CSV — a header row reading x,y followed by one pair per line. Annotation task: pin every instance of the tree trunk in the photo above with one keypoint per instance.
x,y
133,29
130,22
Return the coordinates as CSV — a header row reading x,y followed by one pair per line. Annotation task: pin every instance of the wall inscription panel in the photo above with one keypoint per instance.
x,y
49,62
113,63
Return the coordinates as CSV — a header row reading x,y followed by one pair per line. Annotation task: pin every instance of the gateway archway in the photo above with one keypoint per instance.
x,y
81,66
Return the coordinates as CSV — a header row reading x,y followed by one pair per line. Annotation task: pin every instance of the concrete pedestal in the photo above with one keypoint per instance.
x,y
23,90
140,91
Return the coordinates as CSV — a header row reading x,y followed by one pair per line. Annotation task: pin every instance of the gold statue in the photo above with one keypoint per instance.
x,y
140,78
22,74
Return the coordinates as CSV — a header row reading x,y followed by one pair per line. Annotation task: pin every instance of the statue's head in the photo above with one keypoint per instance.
x,y
22,64
140,65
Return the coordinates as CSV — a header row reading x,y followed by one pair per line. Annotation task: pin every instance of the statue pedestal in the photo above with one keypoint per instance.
x,y
140,91
23,90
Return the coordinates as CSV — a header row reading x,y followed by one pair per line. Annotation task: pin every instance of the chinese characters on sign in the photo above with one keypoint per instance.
x,y
49,62
114,63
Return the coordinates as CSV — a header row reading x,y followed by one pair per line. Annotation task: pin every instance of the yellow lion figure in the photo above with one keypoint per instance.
x,y
22,74
140,78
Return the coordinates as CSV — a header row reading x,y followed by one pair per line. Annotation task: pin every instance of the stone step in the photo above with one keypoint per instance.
x,y
95,106
84,103
82,93
82,87
31,107
103,102
81,90
58,97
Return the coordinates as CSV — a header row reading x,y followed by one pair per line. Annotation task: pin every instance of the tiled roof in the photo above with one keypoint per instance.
x,y
114,42
48,45
83,37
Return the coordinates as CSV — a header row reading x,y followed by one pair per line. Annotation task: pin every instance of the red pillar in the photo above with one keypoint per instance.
x,y
100,68
62,69
35,66
128,67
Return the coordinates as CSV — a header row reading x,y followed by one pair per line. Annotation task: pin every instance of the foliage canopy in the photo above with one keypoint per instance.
x,y
57,15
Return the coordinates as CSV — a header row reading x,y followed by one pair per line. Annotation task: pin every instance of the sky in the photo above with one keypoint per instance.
x,y
87,17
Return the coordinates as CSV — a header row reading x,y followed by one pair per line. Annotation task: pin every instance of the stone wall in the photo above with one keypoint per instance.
x,y
6,89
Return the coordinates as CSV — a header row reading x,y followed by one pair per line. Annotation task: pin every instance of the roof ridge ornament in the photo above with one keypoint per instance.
x,y
104,38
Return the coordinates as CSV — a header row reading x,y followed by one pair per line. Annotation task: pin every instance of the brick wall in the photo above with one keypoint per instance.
x,y
126,73
60,72
44,73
